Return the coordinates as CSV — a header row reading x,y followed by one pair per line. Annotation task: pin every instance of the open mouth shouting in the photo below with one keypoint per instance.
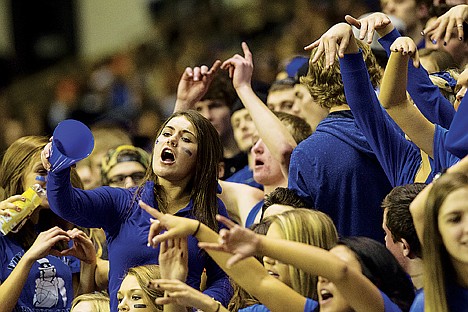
x,y
325,296
167,156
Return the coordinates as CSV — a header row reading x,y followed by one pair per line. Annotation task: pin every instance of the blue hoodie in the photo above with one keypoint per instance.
x,y
336,171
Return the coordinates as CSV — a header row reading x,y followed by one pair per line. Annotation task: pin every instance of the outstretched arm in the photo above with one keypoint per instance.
x,y
249,274
271,130
359,291
394,99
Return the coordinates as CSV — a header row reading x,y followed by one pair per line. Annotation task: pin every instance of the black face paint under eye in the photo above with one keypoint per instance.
x,y
139,306
187,151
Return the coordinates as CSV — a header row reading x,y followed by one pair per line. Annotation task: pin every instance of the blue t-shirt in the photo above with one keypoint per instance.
x,y
116,210
442,158
49,287
253,214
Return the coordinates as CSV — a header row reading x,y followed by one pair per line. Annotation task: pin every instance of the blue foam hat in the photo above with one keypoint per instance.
x,y
72,141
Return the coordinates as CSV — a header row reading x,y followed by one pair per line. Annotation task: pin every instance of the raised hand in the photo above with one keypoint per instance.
x,y
341,36
444,25
44,242
83,247
194,84
173,259
406,46
176,227
240,67
368,25
237,240
7,204
45,154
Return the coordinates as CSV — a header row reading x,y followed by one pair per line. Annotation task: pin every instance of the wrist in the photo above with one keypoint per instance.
x,y
386,30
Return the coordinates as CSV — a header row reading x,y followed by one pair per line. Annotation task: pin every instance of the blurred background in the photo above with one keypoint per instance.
x,y
119,61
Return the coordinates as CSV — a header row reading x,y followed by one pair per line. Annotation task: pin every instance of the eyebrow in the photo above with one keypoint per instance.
x,y
184,130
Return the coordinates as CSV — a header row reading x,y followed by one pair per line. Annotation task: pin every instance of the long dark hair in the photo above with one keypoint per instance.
x,y
204,182
382,269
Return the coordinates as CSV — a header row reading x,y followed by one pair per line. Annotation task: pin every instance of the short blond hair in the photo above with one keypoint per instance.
x,y
325,84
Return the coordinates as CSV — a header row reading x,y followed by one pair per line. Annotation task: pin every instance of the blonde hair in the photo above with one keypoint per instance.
x,y
144,274
325,84
438,268
99,300
310,227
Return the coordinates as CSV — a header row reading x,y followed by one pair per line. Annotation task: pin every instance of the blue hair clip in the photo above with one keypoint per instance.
x,y
451,82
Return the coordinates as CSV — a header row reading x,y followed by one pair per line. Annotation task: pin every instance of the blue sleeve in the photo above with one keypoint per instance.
x,y
103,207
456,140
442,158
398,157
427,97
218,284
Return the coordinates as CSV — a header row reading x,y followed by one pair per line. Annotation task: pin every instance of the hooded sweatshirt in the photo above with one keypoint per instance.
x,y
336,171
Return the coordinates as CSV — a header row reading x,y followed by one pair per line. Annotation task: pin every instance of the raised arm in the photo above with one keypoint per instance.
x,y
394,99
193,85
249,274
434,106
393,151
271,130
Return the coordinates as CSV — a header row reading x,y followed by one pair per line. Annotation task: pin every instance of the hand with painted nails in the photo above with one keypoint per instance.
x,y
194,84
406,46
240,68
339,39
175,227
237,240
8,204
368,25
173,259
443,27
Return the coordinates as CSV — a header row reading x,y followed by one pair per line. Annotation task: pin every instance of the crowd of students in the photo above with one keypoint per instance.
x,y
352,196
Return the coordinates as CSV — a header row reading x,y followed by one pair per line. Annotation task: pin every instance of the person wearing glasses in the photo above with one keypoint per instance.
x,y
124,166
